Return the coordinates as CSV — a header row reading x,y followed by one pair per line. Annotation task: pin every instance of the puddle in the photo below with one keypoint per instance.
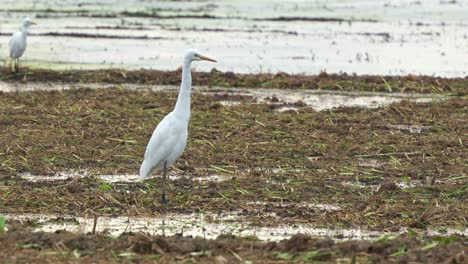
x,y
400,184
320,206
213,178
360,185
198,225
321,100
325,100
293,36
411,129
370,163
229,103
132,178
127,178
314,158
288,109
317,99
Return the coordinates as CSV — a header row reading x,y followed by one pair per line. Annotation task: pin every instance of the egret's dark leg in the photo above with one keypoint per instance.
x,y
163,185
163,197
16,65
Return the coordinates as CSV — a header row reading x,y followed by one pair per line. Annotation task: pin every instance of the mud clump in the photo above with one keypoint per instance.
x,y
145,244
63,247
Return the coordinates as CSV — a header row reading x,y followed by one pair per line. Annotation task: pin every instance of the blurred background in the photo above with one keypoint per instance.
x,y
428,37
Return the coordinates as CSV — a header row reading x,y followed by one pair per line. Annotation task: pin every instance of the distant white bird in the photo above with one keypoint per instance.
x,y
18,42
170,136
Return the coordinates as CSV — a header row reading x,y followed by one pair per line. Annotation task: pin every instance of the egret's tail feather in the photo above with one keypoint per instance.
x,y
145,170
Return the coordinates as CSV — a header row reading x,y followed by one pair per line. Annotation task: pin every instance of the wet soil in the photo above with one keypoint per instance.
x,y
325,81
63,247
300,156
272,158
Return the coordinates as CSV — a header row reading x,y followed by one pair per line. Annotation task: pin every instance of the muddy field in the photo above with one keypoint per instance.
x,y
322,81
65,247
328,131
260,164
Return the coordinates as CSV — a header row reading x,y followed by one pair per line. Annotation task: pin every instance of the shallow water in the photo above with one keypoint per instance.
x,y
364,37
128,178
324,100
400,184
414,129
216,178
318,100
198,225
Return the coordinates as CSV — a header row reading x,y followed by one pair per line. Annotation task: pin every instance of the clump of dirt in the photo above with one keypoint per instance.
x,y
63,247
408,84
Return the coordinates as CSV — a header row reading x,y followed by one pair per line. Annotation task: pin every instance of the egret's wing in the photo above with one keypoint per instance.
x,y
11,43
157,138
15,45
161,145
14,36
157,148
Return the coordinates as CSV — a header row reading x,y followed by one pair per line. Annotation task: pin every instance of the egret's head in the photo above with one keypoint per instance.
x,y
27,22
195,55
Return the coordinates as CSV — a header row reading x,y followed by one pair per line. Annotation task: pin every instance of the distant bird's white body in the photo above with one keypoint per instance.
x,y
18,42
170,136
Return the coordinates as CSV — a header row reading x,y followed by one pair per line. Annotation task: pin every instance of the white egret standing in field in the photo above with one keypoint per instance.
x,y
18,42
170,136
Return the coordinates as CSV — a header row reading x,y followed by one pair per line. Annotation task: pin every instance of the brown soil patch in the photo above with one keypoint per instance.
x,y
65,247
345,82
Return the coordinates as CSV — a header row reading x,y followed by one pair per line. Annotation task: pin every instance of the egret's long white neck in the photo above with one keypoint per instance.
x,y
24,30
182,107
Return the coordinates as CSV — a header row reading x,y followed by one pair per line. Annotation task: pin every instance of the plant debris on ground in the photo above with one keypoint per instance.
x,y
343,82
66,247
401,166
331,157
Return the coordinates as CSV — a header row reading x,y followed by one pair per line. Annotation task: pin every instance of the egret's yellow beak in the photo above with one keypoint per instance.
x,y
32,23
206,58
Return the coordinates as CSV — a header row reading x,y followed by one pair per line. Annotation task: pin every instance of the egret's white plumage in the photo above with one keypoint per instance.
x,y
166,144
18,42
170,136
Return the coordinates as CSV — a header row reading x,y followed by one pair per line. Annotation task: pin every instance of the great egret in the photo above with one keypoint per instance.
x,y
18,42
170,136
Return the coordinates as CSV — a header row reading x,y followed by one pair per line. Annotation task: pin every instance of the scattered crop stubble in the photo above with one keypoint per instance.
x,y
396,168
104,132
280,163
